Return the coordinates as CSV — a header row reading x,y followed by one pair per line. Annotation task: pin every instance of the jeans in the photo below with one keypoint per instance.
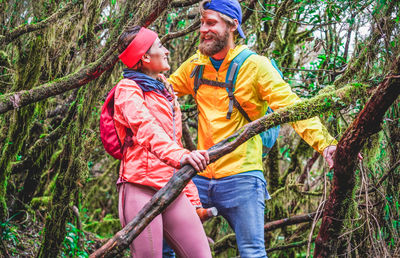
x,y
167,251
240,199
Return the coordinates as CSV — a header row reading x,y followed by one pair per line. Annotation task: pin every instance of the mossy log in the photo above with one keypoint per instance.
x,y
160,201
367,123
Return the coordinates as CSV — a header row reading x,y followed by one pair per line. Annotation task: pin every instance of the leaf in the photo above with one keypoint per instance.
x,y
268,18
276,52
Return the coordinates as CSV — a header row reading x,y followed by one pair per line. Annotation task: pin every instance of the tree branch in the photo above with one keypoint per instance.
x,y
189,144
282,10
307,168
249,11
221,245
184,3
292,245
26,28
192,27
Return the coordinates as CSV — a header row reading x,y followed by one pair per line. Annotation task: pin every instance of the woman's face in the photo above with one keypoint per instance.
x,y
157,58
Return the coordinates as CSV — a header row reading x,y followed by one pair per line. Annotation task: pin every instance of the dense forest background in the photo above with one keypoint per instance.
x,y
58,60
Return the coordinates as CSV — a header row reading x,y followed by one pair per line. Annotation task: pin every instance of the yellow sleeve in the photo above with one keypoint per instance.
x,y
273,89
180,79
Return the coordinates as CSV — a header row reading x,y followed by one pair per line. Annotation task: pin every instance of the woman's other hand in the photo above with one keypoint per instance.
x,y
199,159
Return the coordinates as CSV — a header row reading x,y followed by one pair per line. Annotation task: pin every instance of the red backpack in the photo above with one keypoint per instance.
x,y
108,133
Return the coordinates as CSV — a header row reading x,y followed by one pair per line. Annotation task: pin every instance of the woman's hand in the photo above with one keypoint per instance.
x,y
198,159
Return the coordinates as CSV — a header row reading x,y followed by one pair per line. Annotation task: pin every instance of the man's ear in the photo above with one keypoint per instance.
x,y
146,58
233,28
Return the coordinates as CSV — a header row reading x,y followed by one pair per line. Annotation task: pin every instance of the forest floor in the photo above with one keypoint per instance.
x,y
23,239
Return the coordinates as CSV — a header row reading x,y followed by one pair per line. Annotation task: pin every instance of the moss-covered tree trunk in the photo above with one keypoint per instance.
x,y
29,66
367,123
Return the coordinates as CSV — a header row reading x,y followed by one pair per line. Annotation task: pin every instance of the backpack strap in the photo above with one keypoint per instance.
x,y
198,74
229,83
230,80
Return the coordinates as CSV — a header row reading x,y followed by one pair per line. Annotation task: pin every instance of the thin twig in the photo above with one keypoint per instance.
x,y
194,26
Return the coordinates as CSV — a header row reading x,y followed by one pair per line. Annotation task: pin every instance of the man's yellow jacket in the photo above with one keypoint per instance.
x,y
258,85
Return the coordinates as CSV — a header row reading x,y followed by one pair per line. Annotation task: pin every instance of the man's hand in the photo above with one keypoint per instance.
x,y
198,159
329,154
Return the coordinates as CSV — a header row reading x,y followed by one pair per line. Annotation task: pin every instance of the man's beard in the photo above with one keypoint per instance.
x,y
217,44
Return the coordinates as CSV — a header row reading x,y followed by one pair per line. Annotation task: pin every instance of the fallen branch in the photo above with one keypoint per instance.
x,y
160,201
289,221
227,241
367,123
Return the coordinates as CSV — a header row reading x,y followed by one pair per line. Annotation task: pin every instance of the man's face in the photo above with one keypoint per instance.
x,y
214,33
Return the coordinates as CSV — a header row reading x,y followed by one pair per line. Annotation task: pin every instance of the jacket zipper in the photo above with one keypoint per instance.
x,y
173,124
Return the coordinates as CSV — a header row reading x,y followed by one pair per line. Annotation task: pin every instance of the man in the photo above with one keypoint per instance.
x,y
235,184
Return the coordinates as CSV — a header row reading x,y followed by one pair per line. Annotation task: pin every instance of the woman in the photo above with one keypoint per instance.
x,y
150,110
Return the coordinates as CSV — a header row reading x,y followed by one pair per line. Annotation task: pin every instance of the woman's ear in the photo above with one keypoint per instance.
x,y
146,58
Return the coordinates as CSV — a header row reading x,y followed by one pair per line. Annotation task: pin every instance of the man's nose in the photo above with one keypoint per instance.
x,y
203,28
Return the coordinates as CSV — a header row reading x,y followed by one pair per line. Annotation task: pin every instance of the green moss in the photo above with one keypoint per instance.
x,y
51,186
40,201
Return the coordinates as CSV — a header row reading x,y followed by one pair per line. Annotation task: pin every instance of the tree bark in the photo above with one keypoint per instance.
x,y
366,124
160,201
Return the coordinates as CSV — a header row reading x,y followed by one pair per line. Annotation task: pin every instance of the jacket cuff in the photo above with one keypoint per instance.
x,y
179,161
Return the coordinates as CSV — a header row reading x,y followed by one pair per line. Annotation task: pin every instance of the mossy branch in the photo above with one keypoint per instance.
x,y
160,201
26,28
282,10
81,77
300,111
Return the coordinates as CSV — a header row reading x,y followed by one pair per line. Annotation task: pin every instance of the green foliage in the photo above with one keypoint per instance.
x,y
104,228
75,243
9,232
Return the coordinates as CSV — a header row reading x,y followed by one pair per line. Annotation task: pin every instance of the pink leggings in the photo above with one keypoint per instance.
x,y
179,224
